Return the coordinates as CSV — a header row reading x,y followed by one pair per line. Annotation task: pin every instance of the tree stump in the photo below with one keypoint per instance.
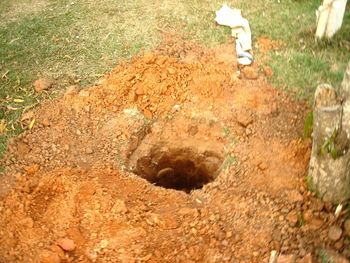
x,y
329,168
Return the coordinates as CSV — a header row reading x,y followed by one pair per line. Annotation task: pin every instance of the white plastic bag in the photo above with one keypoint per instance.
x,y
240,31
329,17
229,17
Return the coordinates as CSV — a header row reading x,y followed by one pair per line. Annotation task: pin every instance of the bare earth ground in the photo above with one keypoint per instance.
x,y
178,112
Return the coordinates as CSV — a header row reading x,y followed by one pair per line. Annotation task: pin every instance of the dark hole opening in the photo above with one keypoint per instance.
x,y
179,168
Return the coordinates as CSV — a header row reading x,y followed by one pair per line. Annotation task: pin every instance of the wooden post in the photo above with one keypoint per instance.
x,y
329,168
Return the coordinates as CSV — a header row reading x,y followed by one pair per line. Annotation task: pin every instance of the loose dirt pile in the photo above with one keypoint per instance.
x,y
181,120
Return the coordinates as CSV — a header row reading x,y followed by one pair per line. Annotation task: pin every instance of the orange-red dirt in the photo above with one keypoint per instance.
x,y
69,193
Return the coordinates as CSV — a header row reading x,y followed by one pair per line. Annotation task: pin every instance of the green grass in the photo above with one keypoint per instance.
x,y
78,41
305,63
308,125
323,256
228,162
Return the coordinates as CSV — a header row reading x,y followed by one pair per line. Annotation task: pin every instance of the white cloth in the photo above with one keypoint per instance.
x,y
239,25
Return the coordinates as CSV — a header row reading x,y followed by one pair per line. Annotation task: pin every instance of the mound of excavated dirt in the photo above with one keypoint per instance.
x,y
172,158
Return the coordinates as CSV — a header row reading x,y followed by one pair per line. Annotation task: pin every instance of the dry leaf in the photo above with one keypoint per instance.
x,y
27,115
31,124
3,126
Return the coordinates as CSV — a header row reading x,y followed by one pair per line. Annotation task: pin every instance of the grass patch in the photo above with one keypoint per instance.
x,y
301,220
323,256
310,183
304,63
228,162
308,125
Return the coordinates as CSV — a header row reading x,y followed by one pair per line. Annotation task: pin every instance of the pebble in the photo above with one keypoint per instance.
x,y
66,244
250,73
58,250
339,244
262,166
317,204
315,223
89,150
139,91
292,218
42,84
267,71
294,196
45,122
32,169
119,207
308,216
71,91
84,93
334,233
244,119
48,256
224,243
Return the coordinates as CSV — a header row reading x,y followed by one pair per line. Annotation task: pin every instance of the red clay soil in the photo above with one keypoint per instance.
x,y
75,187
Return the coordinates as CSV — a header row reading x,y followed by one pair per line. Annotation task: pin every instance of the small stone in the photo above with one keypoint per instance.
x,y
171,71
347,227
229,234
32,169
28,222
250,73
75,234
139,91
286,259
262,166
84,93
66,244
166,173
148,114
104,243
119,207
58,250
45,122
71,91
317,204
294,196
292,218
88,150
315,223
308,216
334,233
339,244
168,222
244,119
42,84
48,256
267,71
